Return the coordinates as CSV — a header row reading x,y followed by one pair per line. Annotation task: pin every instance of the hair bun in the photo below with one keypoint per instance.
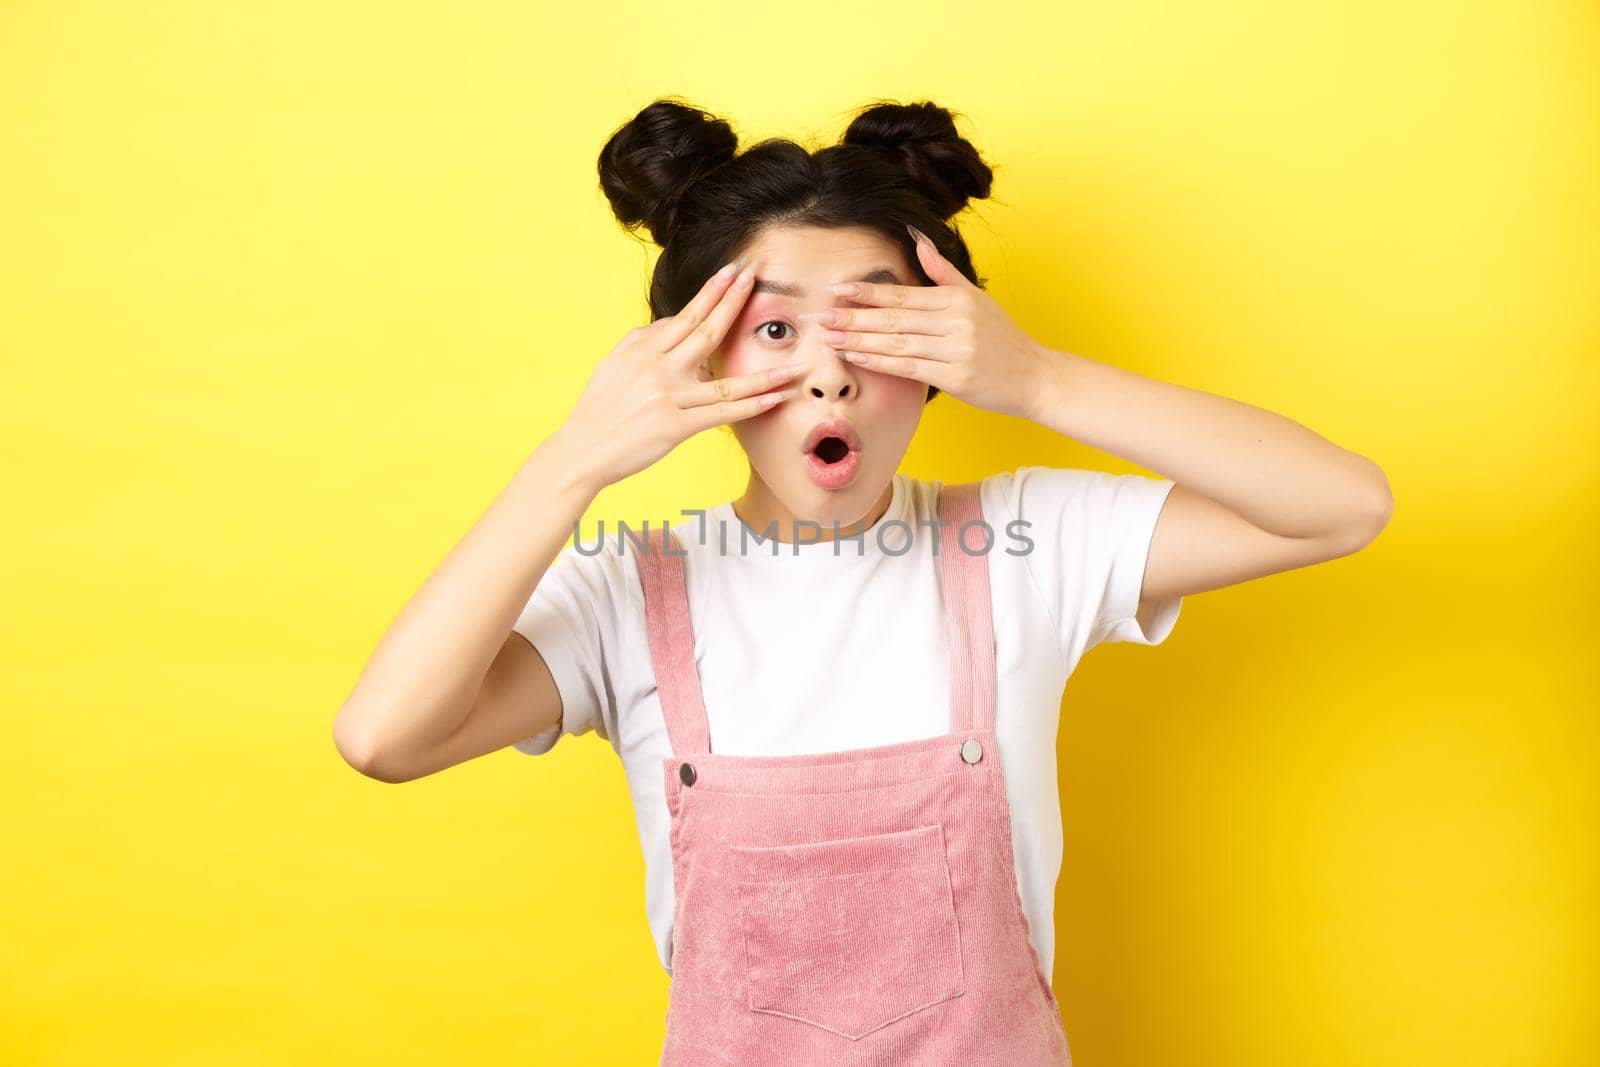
x,y
923,135
652,160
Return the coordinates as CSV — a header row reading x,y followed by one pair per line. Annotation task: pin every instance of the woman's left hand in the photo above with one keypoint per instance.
x,y
951,334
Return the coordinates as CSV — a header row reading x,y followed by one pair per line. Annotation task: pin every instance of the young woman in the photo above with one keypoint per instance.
x,y
836,697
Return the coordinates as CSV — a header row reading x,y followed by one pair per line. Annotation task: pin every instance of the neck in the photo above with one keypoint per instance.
x,y
760,508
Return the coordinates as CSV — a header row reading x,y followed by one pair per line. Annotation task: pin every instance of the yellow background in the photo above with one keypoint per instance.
x,y
288,291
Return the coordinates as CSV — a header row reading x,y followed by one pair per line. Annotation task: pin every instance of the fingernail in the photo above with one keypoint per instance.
x,y
728,268
917,235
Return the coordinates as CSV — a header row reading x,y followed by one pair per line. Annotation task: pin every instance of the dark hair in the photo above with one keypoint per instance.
x,y
677,170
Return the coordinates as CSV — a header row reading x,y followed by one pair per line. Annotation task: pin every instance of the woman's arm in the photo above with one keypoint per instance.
x,y
451,679
424,678
1268,469
1256,492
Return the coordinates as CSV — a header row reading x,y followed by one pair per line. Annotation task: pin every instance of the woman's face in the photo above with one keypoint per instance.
x,y
794,266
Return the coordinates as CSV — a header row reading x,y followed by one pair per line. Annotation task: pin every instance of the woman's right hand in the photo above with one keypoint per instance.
x,y
654,390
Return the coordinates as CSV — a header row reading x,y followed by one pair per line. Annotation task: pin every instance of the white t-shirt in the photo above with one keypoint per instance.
x,y
817,647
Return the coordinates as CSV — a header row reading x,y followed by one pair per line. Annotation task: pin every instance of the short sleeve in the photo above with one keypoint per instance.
x,y
571,618
1090,535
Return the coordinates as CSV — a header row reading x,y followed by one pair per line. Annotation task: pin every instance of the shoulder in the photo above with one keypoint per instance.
x,y
601,567
1062,492
1013,494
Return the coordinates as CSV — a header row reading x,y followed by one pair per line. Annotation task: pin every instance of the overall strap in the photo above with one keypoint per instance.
x,y
964,588
666,616
969,618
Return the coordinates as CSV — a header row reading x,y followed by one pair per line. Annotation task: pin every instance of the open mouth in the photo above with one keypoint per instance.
x,y
831,450
833,453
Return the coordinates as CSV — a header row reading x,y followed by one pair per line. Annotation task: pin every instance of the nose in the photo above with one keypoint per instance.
x,y
827,374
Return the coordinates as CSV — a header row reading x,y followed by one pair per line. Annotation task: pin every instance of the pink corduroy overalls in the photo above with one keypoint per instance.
x,y
854,907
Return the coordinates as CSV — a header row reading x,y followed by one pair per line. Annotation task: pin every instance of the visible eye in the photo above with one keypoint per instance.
x,y
772,322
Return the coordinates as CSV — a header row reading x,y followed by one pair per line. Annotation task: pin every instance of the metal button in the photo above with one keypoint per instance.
x,y
971,751
686,773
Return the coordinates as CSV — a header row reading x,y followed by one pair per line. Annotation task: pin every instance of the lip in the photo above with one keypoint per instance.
x,y
834,476
840,428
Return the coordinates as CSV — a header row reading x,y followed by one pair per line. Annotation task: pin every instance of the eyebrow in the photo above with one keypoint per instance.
x,y
767,285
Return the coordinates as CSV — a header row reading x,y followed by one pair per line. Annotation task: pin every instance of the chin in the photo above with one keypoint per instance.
x,y
847,503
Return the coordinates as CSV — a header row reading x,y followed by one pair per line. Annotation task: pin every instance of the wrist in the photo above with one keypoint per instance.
x,y
567,465
1056,386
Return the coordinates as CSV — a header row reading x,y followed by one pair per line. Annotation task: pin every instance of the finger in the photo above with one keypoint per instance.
x,y
704,336
923,297
901,367
676,327
934,264
725,411
883,320
736,388
924,346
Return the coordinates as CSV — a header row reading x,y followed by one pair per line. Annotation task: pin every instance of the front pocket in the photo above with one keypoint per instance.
x,y
852,933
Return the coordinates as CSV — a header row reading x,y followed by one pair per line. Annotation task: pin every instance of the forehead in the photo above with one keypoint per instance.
x,y
818,255
796,261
